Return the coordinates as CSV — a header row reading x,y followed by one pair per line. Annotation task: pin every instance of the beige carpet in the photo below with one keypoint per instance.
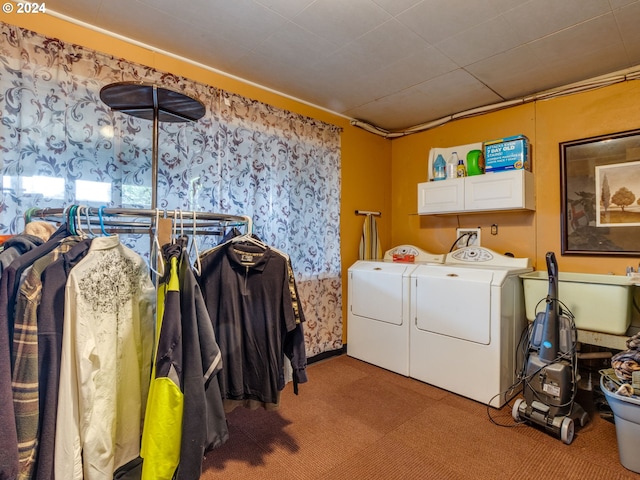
x,y
356,421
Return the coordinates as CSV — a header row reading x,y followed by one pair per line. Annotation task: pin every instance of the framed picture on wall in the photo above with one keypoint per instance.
x,y
600,195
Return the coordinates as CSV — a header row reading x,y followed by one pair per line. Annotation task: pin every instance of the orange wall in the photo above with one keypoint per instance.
x,y
366,172
546,123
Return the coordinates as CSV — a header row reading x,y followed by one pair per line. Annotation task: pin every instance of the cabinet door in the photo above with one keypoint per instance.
x,y
443,196
509,190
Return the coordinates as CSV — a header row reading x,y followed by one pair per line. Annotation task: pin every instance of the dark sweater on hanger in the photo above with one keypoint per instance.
x,y
247,292
25,355
16,246
204,424
9,284
50,321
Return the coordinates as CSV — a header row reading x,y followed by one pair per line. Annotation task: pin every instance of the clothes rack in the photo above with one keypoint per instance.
x,y
91,285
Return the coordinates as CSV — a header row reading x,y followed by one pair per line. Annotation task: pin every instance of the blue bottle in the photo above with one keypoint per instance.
x,y
439,168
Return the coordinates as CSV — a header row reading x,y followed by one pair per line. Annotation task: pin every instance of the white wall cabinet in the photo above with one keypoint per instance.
x,y
510,190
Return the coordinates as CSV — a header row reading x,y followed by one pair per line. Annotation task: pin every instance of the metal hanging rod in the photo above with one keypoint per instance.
x,y
368,212
148,213
133,220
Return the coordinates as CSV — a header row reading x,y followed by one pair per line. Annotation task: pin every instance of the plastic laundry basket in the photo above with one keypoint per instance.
x,y
626,411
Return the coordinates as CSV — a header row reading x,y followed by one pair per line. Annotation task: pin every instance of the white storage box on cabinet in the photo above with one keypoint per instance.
x,y
511,190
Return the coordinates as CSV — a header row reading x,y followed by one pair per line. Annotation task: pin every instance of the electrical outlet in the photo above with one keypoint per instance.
x,y
467,237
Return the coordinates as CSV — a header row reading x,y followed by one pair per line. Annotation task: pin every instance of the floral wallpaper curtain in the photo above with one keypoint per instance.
x,y
61,145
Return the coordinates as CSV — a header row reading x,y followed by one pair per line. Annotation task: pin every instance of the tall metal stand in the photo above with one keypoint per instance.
x,y
150,102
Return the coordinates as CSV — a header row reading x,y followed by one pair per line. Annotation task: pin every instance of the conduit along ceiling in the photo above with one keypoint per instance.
x,y
394,64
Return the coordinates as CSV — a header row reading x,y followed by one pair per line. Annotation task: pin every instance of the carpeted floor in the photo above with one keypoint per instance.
x,y
356,421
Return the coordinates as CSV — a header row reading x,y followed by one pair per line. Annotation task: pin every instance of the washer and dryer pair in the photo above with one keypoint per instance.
x,y
453,321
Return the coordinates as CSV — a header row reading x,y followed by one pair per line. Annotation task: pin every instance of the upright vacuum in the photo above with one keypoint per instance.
x,y
550,371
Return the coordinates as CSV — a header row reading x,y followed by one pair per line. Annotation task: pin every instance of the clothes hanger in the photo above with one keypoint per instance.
x,y
77,220
28,214
181,222
156,250
194,245
174,226
88,220
101,217
248,236
70,215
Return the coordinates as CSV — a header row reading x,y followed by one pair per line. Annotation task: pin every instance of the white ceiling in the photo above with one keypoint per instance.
x,y
392,63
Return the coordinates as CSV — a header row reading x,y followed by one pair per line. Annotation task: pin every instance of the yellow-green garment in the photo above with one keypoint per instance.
x,y
162,431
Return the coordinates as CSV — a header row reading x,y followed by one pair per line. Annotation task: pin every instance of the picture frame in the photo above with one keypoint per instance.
x,y
600,195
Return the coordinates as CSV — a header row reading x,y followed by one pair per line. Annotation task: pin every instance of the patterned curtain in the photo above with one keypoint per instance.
x,y
61,145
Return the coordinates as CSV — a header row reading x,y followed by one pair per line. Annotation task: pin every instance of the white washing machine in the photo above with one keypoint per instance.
x,y
379,306
467,319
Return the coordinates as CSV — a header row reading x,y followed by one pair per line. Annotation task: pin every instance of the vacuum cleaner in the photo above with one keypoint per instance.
x,y
550,378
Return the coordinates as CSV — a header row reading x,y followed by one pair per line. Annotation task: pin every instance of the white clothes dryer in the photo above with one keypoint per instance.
x,y
467,320
379,306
